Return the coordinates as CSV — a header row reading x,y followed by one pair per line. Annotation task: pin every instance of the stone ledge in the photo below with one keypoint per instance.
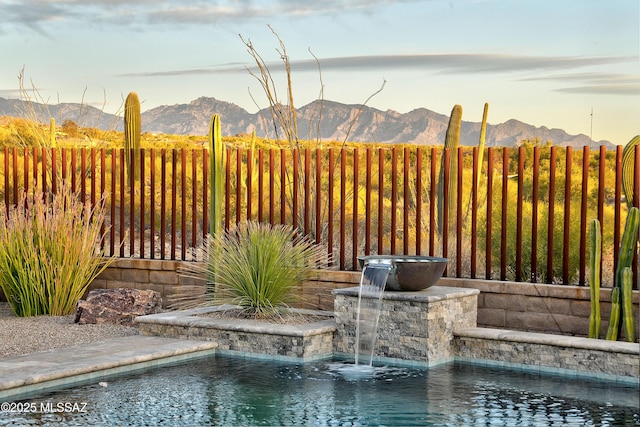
x,y
429,295
190,319
547,339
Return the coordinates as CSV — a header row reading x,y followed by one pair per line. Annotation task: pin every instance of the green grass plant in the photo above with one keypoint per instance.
x,y
50,252
257,266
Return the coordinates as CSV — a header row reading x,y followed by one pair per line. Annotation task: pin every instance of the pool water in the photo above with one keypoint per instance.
x,y
232,391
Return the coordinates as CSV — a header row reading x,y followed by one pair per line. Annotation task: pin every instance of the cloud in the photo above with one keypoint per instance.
x,y
597,83
38,14
450,63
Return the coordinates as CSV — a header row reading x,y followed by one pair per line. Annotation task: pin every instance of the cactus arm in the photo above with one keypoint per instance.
x,y
595,258
627,305
614,319
628,243
451,142
216,175
628,158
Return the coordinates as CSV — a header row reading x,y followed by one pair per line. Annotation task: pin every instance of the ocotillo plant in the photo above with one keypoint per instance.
x,y
132,133
595,259
216,176
625,258
451,142
628,174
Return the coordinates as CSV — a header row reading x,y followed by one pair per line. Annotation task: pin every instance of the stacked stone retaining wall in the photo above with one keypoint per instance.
x,y
543,308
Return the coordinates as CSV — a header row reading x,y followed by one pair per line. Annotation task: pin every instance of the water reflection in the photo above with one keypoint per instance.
x,y
232,391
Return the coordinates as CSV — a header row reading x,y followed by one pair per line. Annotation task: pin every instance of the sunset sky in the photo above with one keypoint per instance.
x,y
544,62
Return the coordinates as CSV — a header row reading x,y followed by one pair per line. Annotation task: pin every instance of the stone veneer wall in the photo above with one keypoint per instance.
x,y
413,326
573,356
534,307
157,275
555,309
306,341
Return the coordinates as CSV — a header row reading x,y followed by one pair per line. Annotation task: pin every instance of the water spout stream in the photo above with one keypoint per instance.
x,y
372,283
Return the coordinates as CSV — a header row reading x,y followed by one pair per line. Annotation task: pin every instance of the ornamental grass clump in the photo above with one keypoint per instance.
x,y
257,267
50,252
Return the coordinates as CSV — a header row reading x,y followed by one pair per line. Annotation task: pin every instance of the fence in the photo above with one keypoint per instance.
x,y
521,214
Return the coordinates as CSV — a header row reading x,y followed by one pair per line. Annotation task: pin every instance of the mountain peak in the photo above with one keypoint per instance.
x,y
337,122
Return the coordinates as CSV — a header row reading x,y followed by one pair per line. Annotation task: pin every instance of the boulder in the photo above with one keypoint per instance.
x,y
118,306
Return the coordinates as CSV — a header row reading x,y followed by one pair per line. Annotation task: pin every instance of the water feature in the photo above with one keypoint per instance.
x,y
222,390
372,284
408,272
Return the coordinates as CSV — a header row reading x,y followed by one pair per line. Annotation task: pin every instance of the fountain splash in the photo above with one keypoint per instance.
x,y
372,283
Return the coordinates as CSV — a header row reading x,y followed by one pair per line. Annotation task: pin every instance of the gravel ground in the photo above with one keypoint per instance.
x,y
22,335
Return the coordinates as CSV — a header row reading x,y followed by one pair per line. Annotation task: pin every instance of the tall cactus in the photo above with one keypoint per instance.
x,y
614,319
595,259
627,305
132,129
452,141
625,258
483,135
628,174
216,175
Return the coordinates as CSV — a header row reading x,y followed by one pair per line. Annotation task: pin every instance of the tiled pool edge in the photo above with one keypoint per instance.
x,y
47,370
577,357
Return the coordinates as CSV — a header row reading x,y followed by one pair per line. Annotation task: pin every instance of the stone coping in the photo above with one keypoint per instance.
x,y
429,295
548,339
42,371
190,318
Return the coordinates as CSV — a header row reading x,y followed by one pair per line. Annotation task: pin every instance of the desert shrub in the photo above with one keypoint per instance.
x,y
49,252
257,266
70,128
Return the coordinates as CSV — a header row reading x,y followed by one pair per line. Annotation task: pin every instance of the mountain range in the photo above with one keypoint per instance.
x,y
337,122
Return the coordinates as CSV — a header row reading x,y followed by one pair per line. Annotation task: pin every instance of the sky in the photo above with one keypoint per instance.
x,y
569,64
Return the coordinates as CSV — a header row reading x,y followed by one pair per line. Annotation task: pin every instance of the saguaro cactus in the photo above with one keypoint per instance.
x,y
132,133
483,135
595,236
628,174
452,141
216,175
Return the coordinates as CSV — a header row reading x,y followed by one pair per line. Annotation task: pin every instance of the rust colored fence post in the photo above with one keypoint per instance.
x,y
474,212
405,197
394,198
459,235
551,214
354,211
534,214
418,201
343,213
567,216
583,215
432,202
381,156
518,266
330,204
503,225
488,243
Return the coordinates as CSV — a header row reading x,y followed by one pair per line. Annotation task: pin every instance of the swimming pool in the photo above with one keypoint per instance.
x,y
223,390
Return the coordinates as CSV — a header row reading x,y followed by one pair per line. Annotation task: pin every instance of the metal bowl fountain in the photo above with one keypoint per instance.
x,y
408,272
